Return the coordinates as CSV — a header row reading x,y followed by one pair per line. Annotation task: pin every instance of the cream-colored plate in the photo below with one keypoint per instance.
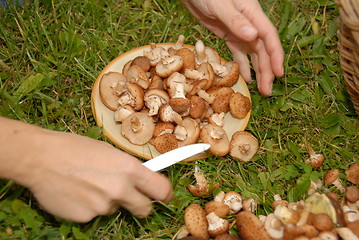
x,y
104,117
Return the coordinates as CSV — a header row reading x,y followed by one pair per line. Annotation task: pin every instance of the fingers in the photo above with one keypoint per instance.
x,y
154,185
236,22
269,34
262,66
240,56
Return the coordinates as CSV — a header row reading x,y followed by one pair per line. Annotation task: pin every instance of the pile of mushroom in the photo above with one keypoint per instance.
x,y
322,216
179,96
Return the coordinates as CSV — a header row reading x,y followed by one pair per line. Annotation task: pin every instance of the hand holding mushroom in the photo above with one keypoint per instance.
x,y
247,30
76,177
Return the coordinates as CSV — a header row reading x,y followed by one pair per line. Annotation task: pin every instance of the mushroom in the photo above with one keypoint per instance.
x,y
219,208
234,201
353,174
156,82
165,142
169,65
187,131
179,102
222,97
202,188
217,137
167,114
328,235
135,74
154,99
352,197
286,215
216,225
279,201
243,146
107,87
142,62
188,58
217,119
196,222
163,127
346,234
315,160
131,94
123,112
314,185
332,177
249,204
250,227
274,226
322,222
155,54
239,105
138,128
198,107
230,76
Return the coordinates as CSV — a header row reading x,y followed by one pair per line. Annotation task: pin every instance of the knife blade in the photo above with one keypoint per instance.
x,y
177,155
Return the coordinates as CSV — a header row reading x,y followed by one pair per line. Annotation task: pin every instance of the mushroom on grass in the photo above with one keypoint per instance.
x,y
243,146
217,137
196,222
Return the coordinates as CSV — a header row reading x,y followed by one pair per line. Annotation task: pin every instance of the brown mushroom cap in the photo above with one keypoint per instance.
x,y
107,89
142,62
195,221
243,146
188,58
353,173
331,176
180,105
239,105
165,142
250,227
219,208
135,74
222,98
231,78
322,222
154,99
156,82
138,128
210,76
169,65
192,129
163,127
137,93
217,137
352,194
198,107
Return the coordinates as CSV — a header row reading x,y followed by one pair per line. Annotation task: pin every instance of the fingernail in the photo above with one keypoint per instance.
x,y
248,32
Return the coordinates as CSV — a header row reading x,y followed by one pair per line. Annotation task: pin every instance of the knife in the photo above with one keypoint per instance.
x,y
177,155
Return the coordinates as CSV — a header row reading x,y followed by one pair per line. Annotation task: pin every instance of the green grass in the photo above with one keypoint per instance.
x,y
52,51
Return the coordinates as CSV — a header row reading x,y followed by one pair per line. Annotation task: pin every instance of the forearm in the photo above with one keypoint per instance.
x,y
19,144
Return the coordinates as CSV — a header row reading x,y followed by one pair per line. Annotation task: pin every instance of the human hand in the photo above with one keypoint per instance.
x,y
246,30
77,178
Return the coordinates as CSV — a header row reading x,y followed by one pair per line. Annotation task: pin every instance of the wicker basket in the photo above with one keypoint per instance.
x,y
349,46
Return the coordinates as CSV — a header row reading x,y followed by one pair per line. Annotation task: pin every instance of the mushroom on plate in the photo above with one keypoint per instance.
x,y
130,94
107,87
123,112
142,62
239,105
229,77
188,58
217,137
138,128
243,146
154,99
168,65
187,131
135,74
165,142
222,98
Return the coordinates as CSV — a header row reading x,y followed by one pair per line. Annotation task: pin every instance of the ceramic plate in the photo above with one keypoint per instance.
x,y
104,117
